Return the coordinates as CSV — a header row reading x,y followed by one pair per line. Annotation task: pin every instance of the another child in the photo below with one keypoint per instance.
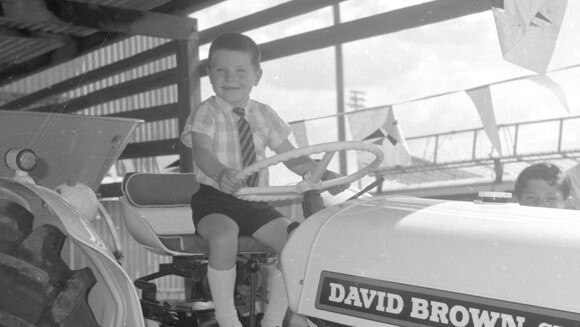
x,y
574,176
212,132
542,185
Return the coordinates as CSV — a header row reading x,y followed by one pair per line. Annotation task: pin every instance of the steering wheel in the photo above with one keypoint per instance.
x,y
313,182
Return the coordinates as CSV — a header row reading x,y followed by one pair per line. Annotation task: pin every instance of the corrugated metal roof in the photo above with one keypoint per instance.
x,y
29,30
16,50
133,4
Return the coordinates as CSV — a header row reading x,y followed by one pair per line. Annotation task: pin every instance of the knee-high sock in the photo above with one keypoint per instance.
x,y
278,303
222,284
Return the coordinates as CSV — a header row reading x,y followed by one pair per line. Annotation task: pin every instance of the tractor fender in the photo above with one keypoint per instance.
x,y
113,300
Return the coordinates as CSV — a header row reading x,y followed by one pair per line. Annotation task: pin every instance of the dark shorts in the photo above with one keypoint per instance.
x,y
249,215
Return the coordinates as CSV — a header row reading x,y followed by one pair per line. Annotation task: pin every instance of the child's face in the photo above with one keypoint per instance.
x,y
233,76
538,193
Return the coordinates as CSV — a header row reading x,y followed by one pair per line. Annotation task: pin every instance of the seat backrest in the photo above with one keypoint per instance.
x,y
156,208
159,190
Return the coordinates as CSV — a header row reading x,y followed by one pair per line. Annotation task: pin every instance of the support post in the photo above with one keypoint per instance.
x,y
340,94
188,90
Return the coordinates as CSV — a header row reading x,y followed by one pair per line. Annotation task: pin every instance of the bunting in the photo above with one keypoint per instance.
x,y
528,30
548,83
300,134
481,97
379,126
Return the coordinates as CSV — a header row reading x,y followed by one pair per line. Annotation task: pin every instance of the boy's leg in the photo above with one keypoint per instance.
x,y
274,234
221,233
278,301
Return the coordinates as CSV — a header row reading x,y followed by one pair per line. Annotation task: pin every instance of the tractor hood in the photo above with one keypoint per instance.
x,y
459,255
70,148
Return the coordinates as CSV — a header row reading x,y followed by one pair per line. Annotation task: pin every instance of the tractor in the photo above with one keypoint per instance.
x,y
362,261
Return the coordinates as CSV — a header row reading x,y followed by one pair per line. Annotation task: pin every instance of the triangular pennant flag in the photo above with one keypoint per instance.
x,y
548,83
378,141
300,133
528,30
391,128
366,122
380,127
394,145
391,139
542,17
374,135
481,97
395,155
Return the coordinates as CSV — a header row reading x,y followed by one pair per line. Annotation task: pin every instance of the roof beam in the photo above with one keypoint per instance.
x,y
67,14
91,76
63,54
385,23
389,22
380,24
81,46
265,17
186,7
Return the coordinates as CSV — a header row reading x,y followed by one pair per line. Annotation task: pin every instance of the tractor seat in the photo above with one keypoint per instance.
x,y
158,215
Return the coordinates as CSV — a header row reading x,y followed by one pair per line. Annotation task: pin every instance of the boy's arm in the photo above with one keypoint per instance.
x,y
304,164
209,164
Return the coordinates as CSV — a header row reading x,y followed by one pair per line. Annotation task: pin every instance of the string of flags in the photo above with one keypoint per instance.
x,y
527,32
481,97
379,126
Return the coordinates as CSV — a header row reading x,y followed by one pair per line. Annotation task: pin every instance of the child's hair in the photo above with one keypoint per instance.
x,y
547,172
236,42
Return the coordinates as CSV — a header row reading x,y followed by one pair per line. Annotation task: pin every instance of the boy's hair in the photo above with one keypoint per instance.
x,y
236,42
543,171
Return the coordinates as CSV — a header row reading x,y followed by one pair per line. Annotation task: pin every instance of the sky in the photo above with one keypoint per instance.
x,y
421,72
401,68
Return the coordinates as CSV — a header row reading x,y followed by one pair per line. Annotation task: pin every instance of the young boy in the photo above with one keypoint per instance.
x,y
212,131
542,185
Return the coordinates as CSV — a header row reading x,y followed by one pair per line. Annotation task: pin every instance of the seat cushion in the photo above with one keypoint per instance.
x,y
165,220
159,190
162,201
195,244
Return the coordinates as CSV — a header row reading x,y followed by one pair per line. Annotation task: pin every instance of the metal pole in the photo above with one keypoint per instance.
x,y
340,94
560,135
474,149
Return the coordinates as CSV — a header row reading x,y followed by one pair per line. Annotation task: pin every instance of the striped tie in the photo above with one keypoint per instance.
x,y
247,144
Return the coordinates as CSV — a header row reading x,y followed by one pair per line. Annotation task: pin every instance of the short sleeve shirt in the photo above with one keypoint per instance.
x,y
215,117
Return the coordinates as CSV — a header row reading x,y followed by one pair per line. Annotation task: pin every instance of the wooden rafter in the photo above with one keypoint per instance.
x,y
186,7
62,15
83,45
91,76
380,24
265,17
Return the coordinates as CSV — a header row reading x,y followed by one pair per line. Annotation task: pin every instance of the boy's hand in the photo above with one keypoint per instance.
x,y
329,175
228,182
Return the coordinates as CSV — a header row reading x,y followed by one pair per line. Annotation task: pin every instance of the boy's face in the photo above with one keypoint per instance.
x,y
538,193
233,76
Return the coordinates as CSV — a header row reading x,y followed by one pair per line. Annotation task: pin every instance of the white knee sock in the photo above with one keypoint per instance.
x,y
222,284
278,303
